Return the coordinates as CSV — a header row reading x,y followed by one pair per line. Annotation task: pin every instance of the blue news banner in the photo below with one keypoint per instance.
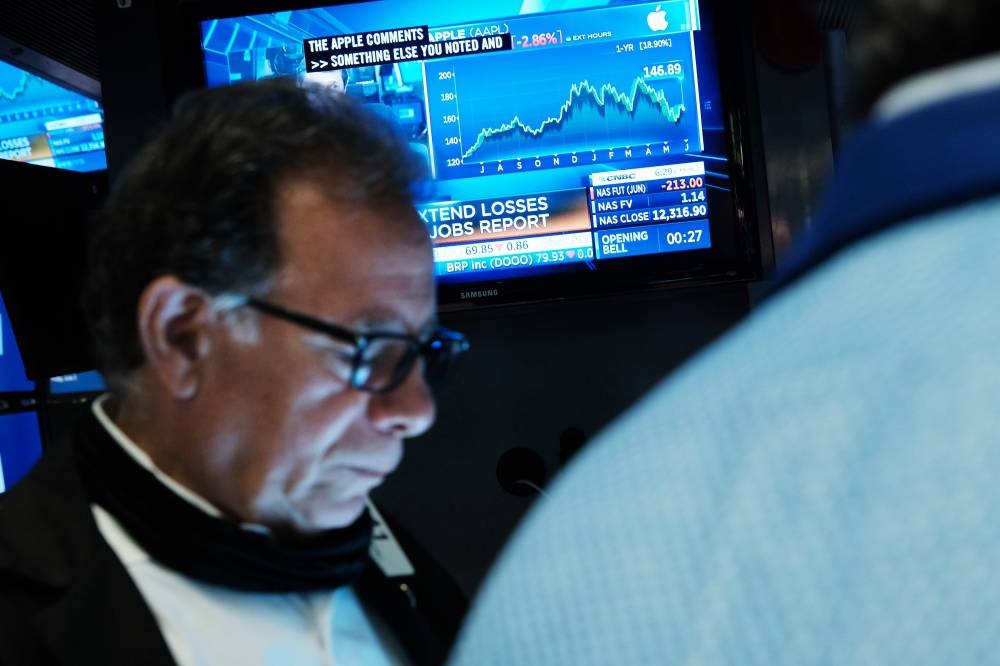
x,y
633,212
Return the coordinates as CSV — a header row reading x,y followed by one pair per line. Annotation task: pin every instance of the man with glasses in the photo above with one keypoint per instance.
x,y
262,300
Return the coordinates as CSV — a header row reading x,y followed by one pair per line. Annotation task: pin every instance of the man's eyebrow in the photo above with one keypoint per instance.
x,y
382,323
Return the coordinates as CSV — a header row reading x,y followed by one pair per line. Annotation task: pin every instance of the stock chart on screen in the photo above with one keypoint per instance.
x,y
43,123
555,97
559,136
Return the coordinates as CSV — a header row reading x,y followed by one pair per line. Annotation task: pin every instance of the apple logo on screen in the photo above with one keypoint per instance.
x,y
657,19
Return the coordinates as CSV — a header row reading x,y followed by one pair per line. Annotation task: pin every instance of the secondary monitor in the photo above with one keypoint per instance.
x,y
47,124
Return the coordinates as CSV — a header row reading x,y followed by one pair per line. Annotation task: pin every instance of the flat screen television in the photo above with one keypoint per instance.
x,y
574,147
47,124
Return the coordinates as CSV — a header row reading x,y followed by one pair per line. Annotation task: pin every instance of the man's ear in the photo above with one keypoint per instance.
x,y
174,329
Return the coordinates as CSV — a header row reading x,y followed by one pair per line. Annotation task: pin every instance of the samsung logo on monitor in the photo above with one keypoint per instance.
x,y
482,293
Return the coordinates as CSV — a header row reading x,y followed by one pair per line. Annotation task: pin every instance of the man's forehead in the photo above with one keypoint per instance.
x,y
371,271
373,301
354,263
309,212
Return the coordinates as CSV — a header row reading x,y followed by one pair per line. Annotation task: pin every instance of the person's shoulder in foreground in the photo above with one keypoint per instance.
x,y
819,486
261,297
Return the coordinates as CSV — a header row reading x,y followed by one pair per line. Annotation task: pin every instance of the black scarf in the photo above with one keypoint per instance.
x,y
184,538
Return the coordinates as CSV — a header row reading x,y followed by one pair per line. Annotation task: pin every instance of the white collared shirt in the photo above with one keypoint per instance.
x,y
208,625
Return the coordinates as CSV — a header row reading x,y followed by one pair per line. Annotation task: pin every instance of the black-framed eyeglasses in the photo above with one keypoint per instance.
x,y
381,360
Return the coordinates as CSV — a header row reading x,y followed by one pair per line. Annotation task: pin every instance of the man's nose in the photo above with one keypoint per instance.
x,y
406,411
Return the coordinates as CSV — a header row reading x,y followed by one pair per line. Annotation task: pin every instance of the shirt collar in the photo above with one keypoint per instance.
x,y
143,459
